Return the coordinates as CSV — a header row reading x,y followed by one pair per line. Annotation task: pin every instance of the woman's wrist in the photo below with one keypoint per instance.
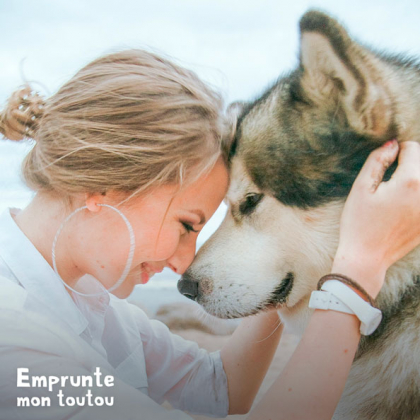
x,y
365,270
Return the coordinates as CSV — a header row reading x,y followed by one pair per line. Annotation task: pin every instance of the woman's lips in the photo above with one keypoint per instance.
x,y
144,277
148,272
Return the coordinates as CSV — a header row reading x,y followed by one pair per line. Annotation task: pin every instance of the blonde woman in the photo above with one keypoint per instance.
x,y
127,167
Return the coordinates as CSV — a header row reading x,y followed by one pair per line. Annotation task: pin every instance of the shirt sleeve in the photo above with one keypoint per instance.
x,y
178,371
24,343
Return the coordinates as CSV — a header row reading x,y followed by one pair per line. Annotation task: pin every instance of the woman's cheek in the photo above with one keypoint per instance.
x,y
167,245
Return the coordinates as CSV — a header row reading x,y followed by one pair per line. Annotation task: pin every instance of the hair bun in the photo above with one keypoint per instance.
x,y
20,118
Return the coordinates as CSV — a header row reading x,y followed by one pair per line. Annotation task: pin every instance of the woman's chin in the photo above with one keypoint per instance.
x,y
122,294
125,290
144,277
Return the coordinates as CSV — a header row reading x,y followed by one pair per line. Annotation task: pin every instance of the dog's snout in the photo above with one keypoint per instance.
x,y
188,287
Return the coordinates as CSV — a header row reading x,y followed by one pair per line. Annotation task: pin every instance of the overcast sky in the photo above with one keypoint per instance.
x,y
239,46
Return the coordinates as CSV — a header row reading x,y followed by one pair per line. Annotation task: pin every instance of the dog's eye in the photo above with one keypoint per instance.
x,y
250,202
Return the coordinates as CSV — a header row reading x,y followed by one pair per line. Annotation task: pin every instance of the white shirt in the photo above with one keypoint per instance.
x,y
46,331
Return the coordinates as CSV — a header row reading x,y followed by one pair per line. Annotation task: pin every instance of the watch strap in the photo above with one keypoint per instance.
x,y
369,316
326,300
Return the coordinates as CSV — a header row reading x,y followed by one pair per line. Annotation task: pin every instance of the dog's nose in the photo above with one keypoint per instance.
x,y
188,287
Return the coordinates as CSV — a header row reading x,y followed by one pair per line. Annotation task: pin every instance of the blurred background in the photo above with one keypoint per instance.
x,y
238,46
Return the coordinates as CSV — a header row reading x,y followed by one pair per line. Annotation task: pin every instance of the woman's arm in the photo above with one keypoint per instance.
x,y
247,356
375,232
311,384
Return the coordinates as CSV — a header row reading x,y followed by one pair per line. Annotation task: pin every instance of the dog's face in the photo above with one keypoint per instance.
x,y
265,253
294,156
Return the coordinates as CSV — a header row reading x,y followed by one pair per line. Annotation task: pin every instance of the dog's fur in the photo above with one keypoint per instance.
x,y
294,156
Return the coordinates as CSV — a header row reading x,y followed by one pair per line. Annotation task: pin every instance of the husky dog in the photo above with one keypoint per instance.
x,y
293,158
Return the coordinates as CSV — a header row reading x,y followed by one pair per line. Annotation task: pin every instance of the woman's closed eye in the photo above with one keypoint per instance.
x,y
189,227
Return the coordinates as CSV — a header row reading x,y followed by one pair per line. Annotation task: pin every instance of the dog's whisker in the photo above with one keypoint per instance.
x,y
279,324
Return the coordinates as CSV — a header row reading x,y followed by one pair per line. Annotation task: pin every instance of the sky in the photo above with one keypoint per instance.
x,y
238,46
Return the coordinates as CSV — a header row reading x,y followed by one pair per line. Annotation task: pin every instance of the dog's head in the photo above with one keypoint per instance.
x,y
293,159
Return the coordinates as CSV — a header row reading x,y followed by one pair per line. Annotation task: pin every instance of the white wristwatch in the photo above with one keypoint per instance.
x,y
337,296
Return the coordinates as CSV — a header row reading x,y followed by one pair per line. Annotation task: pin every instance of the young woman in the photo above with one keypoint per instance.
x,y
127,167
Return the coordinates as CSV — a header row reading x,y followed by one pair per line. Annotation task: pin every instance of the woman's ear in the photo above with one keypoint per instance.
x,y
92,201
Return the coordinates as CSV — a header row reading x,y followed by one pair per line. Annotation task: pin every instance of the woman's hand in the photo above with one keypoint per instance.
x,y
379,225
380,222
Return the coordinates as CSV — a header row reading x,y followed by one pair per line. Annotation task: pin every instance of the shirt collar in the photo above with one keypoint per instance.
x,y
36,275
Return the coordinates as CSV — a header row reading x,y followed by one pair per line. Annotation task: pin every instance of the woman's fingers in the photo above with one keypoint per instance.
x,y
408,170
373,171
381,220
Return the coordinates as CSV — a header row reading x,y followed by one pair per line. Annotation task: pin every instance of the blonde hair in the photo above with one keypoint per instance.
x,y
126,122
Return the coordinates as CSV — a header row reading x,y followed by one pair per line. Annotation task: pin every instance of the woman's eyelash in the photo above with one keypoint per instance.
x,y
189,228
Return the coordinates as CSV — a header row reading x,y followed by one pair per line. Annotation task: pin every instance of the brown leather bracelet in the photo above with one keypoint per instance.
x,y
349,282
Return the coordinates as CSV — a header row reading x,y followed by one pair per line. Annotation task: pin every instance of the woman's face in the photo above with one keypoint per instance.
x,y
166,224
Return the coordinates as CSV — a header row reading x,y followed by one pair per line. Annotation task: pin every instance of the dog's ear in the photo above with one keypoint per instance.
x,y
338,72
229,139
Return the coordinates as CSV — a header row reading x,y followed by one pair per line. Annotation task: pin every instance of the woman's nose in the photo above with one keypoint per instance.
x,y
183,257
